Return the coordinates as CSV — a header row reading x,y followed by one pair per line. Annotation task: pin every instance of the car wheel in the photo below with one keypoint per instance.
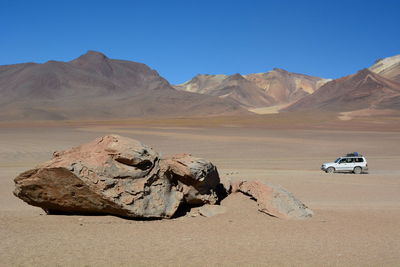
x,y
357,170
330,170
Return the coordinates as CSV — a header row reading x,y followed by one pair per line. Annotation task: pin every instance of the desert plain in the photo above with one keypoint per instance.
x,y
356,220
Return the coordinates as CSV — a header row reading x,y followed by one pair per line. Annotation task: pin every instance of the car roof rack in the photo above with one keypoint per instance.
x,y
353,154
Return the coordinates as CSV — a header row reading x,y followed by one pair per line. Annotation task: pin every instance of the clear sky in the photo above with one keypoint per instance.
x,y
180,39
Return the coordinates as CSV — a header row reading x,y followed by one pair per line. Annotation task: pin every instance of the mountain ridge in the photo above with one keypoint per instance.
x,y
275,87
93,86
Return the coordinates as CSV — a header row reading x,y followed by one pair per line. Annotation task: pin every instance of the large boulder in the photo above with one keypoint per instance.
x,y
273,200
120,176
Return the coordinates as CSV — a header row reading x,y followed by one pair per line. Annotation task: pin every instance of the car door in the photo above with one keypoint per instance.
x,y
342,165
350,164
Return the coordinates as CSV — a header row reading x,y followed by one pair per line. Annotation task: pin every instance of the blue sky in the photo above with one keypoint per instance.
x,y
183,38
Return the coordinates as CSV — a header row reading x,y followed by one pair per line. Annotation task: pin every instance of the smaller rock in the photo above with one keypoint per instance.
x,y
274,200
212,210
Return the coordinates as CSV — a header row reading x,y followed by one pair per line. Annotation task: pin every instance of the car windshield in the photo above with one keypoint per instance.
x,y
337,160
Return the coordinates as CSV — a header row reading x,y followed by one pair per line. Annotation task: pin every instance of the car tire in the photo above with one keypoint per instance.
x,y
357,170
330,170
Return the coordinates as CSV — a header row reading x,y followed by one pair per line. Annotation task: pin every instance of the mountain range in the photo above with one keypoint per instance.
x,y
93,86
96,87
377,87
275,87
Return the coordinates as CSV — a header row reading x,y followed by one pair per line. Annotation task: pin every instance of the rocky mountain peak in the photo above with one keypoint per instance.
x,y
279,70
95,62
93,55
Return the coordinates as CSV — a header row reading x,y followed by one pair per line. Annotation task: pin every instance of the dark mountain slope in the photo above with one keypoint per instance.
x,y
96,87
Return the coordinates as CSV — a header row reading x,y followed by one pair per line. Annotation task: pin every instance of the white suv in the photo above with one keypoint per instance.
x,y
350,163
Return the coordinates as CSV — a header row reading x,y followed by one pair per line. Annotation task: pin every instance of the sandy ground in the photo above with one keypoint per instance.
x,y
356,222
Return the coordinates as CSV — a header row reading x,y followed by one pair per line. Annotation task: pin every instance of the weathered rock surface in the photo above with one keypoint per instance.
x,y
274,200
197,178
120,176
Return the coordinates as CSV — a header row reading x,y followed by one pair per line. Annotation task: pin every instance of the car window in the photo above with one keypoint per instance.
x,y
350,160
337,160
343,161
359,160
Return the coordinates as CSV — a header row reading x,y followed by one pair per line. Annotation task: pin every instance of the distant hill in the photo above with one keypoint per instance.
x,y
96,87
234,87
275,87
363,90
284,86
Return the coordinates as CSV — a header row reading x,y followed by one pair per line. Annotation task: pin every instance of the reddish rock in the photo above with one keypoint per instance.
x,y
274,200
120,176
